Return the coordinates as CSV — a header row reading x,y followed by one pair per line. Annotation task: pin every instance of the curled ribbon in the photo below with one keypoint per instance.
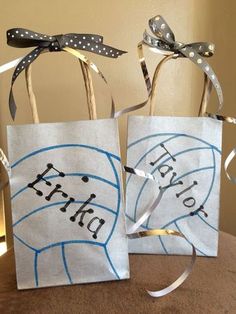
x,y
132,233
4,161
228,160
24,38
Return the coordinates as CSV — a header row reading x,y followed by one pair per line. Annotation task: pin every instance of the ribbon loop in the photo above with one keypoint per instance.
x,y
203,49
161,29
164,41
24,38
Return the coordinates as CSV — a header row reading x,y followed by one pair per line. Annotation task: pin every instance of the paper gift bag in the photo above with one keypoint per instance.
x,y
67,201
184,156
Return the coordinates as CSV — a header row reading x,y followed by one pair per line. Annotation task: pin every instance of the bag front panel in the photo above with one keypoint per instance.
x,y
67,203
184,154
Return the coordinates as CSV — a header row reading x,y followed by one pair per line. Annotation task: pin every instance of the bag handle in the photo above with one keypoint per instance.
x,y
89,90
88,87
207,87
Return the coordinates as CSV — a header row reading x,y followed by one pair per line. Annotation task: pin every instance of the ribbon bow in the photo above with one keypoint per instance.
x,y
164,41
24,38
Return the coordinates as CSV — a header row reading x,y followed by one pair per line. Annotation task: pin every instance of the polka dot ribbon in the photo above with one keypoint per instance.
x,y
164,41
24,38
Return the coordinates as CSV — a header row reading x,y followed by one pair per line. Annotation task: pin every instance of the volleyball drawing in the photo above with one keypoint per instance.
x,y
184,154
68,221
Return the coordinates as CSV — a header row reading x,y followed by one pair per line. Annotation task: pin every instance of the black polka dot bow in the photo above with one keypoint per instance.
x,y
164,41
24,38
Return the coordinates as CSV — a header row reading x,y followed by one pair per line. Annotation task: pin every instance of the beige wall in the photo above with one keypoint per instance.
x,y
57,78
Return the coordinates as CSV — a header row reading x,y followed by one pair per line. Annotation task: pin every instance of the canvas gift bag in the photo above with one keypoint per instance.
x,y
183,154
66,188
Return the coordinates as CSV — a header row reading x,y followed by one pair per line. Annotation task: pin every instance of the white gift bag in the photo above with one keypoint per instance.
x,y
183,154
67,201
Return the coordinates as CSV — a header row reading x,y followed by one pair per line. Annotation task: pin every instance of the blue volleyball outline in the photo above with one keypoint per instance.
x,y
104,245
65,263
34,211
174,135
38,151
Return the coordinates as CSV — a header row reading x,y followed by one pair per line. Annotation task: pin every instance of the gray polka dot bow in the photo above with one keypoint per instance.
x,y
24,38
164,41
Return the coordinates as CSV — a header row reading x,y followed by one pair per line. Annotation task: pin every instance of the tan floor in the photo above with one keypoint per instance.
x,y
210,289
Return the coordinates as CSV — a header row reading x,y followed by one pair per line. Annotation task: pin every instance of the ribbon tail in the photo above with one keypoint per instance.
x,y
232,154
145,216
180,280
147,83
113,109
133,234
221,118
228,160
9,65
5,163
153,206
150,209
196,58
12,104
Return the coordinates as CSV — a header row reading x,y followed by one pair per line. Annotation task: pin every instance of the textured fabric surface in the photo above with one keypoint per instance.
x,y
210,289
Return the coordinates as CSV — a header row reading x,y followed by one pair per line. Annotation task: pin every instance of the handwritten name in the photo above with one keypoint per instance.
x,y
95,223
165,169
